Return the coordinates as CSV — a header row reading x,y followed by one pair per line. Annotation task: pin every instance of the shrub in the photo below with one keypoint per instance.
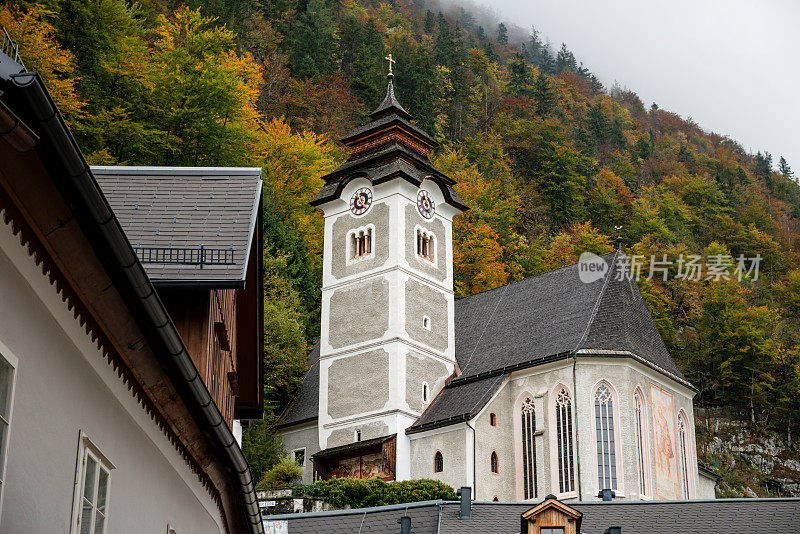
x,y
286,473
344,492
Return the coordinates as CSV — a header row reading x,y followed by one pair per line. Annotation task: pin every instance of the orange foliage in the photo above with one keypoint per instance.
x,y
40,52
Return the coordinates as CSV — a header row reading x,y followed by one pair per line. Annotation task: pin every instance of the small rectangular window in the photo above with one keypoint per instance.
x,y
551,530
92,496
300,456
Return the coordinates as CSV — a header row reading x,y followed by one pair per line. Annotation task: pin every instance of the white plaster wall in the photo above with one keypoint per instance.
x,y
65,386
706,488
303,436
455,443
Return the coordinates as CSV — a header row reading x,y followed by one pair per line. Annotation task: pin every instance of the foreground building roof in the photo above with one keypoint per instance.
x,y
188,225
777,516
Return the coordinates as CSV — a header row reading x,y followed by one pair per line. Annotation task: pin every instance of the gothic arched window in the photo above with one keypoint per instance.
x,y
493,463
642,446
606,440
528,414
564,446
683,454
438,462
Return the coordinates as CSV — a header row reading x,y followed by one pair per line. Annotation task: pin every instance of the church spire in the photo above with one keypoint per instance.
x,y
390,103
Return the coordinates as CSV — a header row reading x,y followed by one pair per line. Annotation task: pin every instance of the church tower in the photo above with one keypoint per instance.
x,y
387,337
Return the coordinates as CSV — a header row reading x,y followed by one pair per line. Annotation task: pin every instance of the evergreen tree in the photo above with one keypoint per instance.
x,y
430,22
481,34
502,34
783,168
314,41
763,165
544,95
565,60
519,75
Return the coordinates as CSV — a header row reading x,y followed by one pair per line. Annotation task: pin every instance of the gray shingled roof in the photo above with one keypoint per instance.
x,y
527,323
305,406
726,516
175,208
424,520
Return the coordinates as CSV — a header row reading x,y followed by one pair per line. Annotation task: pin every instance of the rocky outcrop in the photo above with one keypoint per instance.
x,y
753,460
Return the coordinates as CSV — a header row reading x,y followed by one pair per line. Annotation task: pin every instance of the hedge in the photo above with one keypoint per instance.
x,y
354,493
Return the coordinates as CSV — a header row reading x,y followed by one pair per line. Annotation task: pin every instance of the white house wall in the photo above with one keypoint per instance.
x,y
64,386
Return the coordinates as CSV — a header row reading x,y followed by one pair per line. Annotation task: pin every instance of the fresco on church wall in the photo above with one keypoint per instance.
x,y
666,461
367,466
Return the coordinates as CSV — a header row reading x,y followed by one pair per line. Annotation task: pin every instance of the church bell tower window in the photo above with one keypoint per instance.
x,y
360,245
426,245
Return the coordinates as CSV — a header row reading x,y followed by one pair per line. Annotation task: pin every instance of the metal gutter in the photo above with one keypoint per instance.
x,y
156,319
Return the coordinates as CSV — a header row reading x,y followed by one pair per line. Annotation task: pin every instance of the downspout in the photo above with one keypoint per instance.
x,y
577,441
474,455
157,319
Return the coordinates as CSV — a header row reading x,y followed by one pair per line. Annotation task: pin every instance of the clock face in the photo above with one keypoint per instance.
x,y
425,204
361,201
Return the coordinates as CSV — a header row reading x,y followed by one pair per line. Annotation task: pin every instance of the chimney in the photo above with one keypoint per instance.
x,y
607,494
613,530
405,524
465,494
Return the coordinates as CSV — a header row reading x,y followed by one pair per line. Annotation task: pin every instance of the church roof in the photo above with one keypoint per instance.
x,y
541,319
527,323
305,406
779,516
170,214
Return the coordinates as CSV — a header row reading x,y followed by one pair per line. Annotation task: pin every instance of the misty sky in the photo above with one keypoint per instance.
x,y
731,65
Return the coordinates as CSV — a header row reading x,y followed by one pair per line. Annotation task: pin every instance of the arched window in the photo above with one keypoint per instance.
x,y
493,463
438,462
564,445
640,421
426,245
684,454
492,419
528,414
606,440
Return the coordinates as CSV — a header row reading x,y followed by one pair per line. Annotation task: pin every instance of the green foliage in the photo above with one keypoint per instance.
x,y
342,492
262,447
284,474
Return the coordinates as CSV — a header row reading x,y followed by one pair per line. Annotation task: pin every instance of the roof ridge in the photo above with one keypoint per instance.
x,y
597,302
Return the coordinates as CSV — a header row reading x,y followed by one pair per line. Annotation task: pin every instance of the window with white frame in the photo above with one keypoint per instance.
x,y
528,414
360,244
640,430
564,447
684,454
606,439
426,245
92,490
6,392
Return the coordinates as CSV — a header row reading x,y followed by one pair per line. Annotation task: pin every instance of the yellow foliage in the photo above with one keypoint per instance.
x,y
40,52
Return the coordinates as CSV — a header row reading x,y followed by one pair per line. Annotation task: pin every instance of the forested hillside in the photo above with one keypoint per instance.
x,y
549,160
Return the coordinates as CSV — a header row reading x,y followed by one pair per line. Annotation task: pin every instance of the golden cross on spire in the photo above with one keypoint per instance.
x,y
391,61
